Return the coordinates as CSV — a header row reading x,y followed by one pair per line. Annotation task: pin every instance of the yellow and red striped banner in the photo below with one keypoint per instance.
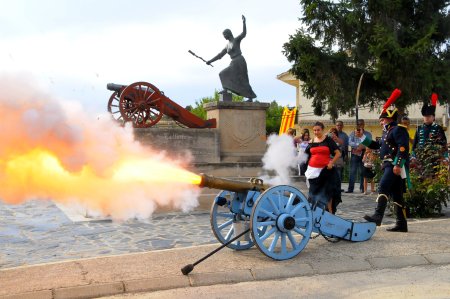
x,y
287,119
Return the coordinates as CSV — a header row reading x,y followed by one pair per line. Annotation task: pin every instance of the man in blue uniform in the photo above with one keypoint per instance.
x,y
394,154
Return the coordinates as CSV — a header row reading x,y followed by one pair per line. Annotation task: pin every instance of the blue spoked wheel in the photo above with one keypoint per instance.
x,y
224,223
285,216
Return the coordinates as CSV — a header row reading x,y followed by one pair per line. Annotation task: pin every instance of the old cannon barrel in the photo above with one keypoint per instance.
x,y
231,185
115,87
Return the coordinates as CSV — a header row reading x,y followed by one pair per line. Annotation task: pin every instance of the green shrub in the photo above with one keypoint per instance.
x,y
430,183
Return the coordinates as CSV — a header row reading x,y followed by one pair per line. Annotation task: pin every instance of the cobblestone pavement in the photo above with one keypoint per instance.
x,y
39,232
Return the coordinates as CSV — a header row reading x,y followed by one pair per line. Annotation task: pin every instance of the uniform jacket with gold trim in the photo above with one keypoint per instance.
x,y
393,146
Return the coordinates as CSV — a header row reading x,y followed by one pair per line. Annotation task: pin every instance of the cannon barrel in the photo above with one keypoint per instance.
x,y
236,186
115,87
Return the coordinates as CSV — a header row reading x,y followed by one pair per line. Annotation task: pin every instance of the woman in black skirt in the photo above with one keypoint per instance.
x,y
323,178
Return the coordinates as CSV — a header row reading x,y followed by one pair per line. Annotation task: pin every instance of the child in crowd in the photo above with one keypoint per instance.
x,y
368,171
301,146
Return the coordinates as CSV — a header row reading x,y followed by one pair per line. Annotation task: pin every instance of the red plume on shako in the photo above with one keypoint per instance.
x,y
386,113
430,109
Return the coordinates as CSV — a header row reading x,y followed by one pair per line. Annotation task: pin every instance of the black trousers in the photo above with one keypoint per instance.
x,y
391,184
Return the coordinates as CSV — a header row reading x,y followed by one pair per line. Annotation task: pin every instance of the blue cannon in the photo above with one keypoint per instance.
x,y
279,220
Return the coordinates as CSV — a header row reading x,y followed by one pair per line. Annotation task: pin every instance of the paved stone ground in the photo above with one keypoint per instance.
x,y
39,232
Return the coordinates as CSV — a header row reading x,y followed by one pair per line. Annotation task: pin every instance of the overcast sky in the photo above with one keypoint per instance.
x,y
73,48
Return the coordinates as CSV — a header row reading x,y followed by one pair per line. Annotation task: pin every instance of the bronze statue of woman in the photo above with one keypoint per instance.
x,y
234,78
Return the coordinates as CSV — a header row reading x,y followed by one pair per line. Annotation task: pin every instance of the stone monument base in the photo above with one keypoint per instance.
x,y
242,129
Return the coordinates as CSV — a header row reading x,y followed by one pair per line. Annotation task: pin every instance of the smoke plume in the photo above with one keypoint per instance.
x,y
280,157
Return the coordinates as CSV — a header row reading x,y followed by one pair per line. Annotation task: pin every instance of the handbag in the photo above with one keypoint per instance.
x,y
339,163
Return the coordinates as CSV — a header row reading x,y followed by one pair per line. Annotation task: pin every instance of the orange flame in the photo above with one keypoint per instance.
x,y
40,174
47,153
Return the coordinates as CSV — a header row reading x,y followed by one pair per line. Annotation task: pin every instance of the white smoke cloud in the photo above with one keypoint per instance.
x,y
280,157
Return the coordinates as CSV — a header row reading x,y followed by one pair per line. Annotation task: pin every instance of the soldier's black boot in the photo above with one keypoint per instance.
x,y
400,224
377,217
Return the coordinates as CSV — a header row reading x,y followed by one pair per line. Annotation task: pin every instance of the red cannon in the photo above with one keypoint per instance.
x,y
143,104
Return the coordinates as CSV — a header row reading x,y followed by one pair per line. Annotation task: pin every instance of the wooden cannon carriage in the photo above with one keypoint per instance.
x,y
144,105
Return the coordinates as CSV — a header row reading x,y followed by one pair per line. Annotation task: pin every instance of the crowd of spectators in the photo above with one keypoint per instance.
x,y
332,155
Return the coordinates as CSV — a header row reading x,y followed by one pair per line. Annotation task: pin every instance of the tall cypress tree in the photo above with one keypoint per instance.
x,y
394,43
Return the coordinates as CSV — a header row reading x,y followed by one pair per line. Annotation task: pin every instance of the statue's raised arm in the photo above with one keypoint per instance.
x,y
244,28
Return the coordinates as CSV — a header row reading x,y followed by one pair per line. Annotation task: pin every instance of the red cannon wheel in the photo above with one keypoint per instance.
x,y
113,107
141,103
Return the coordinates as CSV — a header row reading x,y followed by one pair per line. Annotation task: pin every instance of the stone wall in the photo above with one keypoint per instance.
x,y
202,144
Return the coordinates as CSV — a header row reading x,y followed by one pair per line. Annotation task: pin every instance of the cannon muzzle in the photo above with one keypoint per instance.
x,y
115,87
236,186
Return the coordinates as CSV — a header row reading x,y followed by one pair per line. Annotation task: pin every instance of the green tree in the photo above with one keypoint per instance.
x,y
273,118
394,43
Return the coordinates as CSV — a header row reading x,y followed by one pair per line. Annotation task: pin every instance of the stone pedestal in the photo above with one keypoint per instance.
x,y
242,130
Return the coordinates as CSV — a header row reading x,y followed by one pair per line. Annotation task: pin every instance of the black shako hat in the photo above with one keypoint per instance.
x,y
430,108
